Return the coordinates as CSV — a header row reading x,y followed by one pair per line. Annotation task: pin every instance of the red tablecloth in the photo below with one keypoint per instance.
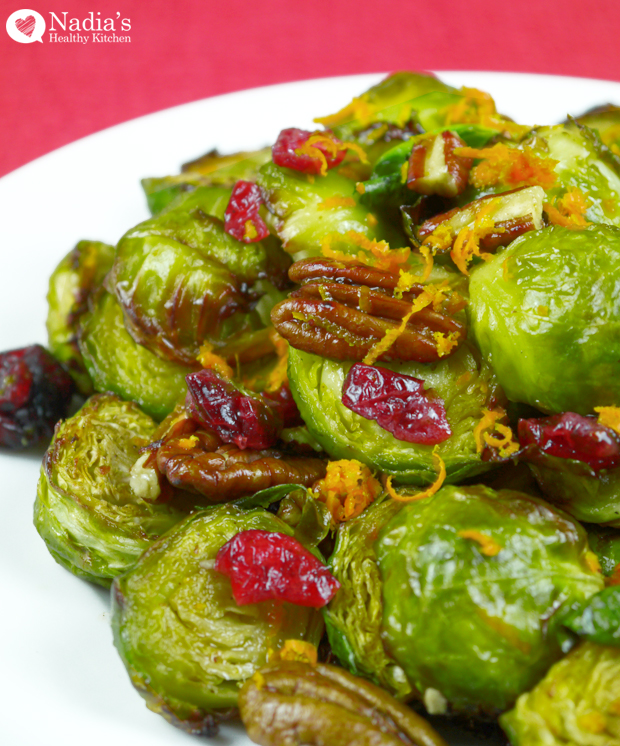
x,y
54,92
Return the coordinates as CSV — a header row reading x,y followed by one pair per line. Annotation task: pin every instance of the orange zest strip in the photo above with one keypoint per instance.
x,y
501,164
347,489
487,423
570,210
506,444
467,244
430,490
373,253
208,359
310,149
609,417
488,546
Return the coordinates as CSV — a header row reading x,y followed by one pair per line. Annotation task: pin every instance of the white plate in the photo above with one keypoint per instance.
x,y
61,681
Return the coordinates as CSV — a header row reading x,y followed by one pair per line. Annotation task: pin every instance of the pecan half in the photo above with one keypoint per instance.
x,y
196,460
434,168
295,703
342,310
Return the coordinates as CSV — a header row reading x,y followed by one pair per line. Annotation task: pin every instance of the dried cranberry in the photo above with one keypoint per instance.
x,y
35,392
242,219
571,436
283,400
284,152
397,403
265,566
249,421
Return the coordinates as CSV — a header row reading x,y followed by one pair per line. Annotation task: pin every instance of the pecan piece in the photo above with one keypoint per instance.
x,y
196,460
342,310
295,703
434,168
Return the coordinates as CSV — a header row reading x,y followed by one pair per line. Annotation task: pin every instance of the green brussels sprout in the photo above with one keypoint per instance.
x,y
606,121
605,543
96,508
577,703
546,315
186,644
211,170
593,497
77,275
476,584
182,280
598,618
462,381
309,214
354,617
116,363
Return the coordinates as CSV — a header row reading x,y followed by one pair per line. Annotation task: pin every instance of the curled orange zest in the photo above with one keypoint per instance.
x,y
278,376
501,164
506,444
445,343
569,211
430,490
488,546
310,149
347,489
440,239
487,423
373,253
467,244
208,359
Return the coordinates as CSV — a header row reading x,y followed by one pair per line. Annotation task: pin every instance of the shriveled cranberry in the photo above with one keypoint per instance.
x,y
397,403
242,219
324,153
265,566
35,392
284,402
571,436
249,421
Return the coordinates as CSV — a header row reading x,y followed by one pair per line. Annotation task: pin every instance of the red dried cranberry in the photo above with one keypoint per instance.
x,y
284,402
249,421
571,436
35,392
284,152
242,219
265,566
397,403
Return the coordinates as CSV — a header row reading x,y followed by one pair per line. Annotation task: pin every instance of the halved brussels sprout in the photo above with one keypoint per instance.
x,y
182,280
462,381
546,315
116,363
577,703
94,513
77,275
186,644
475,586
605,543
354,617
211,170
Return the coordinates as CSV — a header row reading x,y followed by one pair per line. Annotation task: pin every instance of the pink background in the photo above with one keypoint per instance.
x,y
183,50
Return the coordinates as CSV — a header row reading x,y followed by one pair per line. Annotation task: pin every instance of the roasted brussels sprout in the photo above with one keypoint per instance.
x,y
186,644
77,275
354,618
96,509
577,703
116,363
605,543
462,381
546,315
182,280
606,121
598,618
475,586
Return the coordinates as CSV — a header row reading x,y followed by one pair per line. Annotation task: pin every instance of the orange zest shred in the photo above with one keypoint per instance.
x,y
372,253
337,200
188,443
467,243
440,467
208,359
311,149
506,444
360,187
347,489
569,211
488,546
609,417
440,239
445,343
486,424
478,107
299,650
278,376
249,231
502,164
592,562
359,109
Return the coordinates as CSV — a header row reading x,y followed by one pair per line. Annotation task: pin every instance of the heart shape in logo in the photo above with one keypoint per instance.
x,y
26,25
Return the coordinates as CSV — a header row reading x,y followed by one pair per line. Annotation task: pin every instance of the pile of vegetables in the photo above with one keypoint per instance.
x,y
347,439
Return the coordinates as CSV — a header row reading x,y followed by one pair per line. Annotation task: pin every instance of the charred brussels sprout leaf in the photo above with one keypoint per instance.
x,y
116,363
546,315
186,644
182,280
577,703
354,618
475,585
71,283
462,381
94,513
